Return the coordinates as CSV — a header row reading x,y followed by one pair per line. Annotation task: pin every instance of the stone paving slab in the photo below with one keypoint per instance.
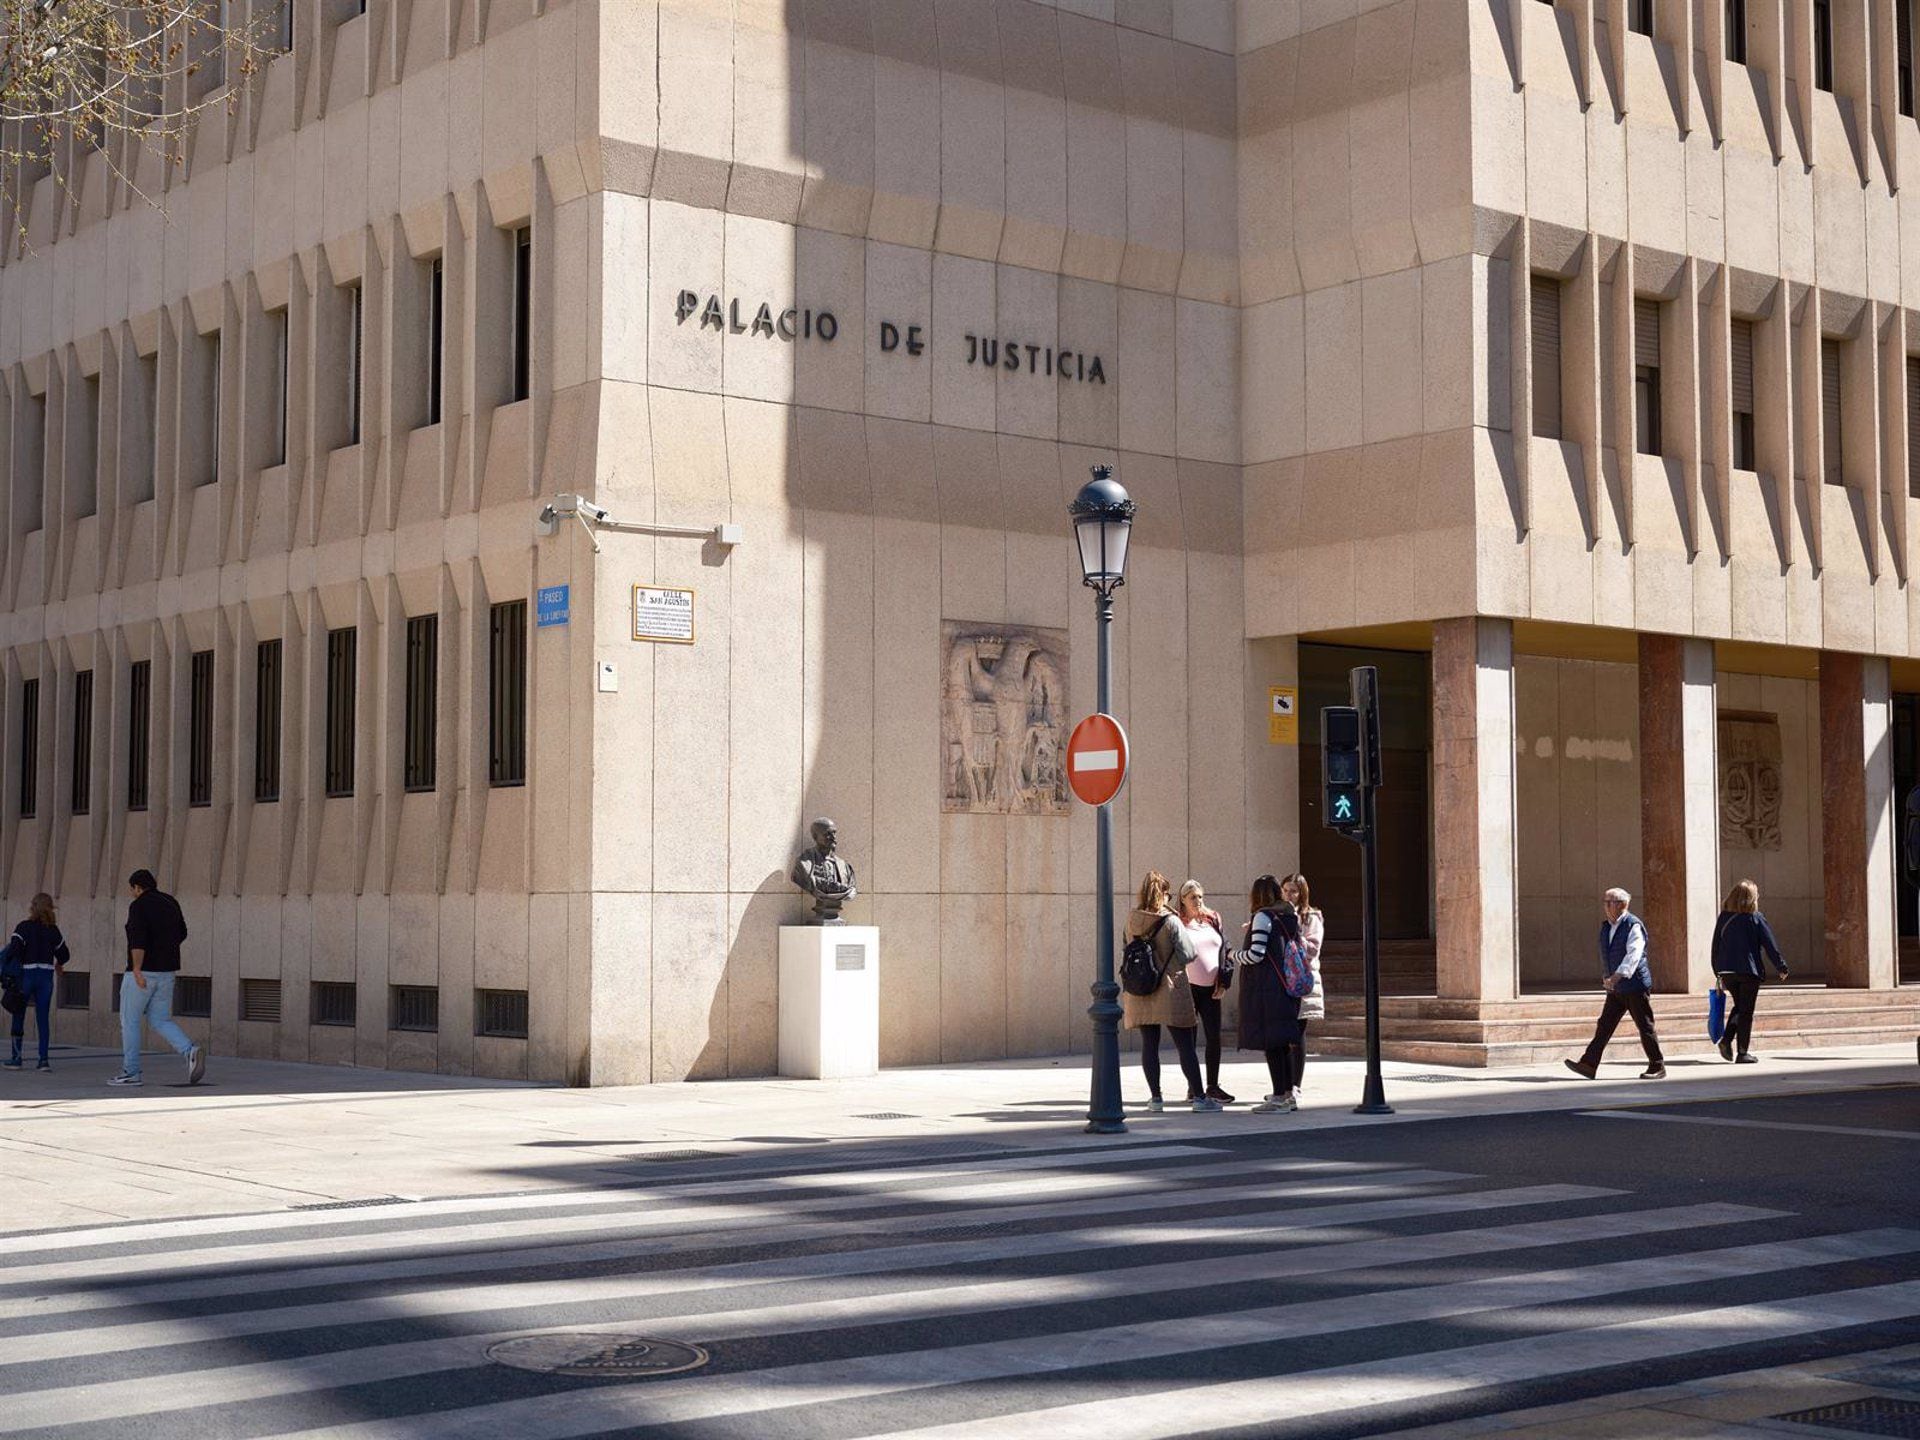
x,y
264,1134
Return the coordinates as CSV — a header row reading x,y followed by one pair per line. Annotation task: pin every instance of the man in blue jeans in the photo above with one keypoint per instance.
x,y
155,928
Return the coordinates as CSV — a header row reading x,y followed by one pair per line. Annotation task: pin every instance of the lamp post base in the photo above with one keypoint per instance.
x,y
1104,1113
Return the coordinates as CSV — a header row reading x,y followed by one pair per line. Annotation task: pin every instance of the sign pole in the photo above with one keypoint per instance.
x,y
1104,1115
1365,687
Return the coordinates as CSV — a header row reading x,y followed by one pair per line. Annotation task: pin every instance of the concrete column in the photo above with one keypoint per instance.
x,y
1473,806
1856,819
1679,809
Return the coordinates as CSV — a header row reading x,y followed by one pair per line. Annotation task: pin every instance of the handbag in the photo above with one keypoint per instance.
x,y
1716,1014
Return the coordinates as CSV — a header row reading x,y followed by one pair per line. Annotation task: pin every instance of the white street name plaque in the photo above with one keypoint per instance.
x,y
663,614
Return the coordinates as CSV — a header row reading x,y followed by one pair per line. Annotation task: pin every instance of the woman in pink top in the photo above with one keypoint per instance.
x,y
1313,933
1203,977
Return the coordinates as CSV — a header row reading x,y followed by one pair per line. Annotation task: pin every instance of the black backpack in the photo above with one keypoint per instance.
x,y
1140,969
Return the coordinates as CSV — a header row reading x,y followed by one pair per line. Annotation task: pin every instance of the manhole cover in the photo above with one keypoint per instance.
x,y
888,1115
1869,1415
597,1356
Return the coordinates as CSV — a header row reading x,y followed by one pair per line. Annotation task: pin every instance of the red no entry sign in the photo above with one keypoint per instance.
x,y
1097,759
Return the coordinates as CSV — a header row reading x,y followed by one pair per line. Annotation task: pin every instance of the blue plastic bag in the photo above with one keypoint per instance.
x,y
1716,1014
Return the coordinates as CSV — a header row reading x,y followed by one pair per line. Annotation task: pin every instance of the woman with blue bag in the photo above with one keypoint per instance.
x,y
1269,1012
35,954
1741,937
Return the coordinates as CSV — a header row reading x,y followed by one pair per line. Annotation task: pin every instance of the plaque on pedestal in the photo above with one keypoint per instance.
x,y
829,1001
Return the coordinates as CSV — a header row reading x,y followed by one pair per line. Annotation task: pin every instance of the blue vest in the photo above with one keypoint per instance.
x,y
1614,953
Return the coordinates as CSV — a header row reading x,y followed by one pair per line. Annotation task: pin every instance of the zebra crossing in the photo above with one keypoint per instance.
x,y
1136,1290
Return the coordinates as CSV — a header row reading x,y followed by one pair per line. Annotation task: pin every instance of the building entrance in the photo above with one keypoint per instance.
x,y
1331,863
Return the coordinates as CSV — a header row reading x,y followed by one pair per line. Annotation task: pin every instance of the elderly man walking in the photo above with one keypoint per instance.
x,y
1629,979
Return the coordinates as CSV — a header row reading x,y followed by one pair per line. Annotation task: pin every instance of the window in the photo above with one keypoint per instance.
x,y
436,336
1646,376
210,377
74,989
82,796
1546,356
335,1002
146,465
29,748
522,317
200,730
1830,452
260,1001
1736,45
1640,16
277,337
507,695
500,1012
1913,426
139,721
266,721
342,649
355,321
422,701
1744,456
30,482
285,35
414,1007
1823,45
193,996
86,472
1903,52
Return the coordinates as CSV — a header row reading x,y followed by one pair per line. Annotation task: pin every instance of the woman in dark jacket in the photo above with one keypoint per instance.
x,y
1269,1017
35,953
1741,937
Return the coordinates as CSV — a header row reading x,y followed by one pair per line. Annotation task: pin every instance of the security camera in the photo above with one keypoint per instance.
x,y
593,512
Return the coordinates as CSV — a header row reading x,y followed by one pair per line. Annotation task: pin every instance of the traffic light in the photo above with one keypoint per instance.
x,y
1340,767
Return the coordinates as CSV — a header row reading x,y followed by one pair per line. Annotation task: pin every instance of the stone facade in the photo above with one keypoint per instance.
x,y
876,283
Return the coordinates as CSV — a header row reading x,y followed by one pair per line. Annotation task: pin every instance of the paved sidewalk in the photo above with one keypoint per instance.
x,y
262,1135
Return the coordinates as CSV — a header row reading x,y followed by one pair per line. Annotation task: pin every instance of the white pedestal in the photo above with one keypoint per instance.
x,y
829,1001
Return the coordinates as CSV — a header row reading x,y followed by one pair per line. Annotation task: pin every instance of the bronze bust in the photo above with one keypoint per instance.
x,y
825,875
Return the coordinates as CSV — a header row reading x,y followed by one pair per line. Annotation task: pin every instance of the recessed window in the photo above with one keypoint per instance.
x,y
210,382
522,312
436,336
342,651
29,748
1913,426
285,25
139,728
1737,31
278,339
1741,356
414,1007
193,996
1546,355
200,730
335,1002
1646,376
1823,45
266,721
145,461
30,473
507,695
422,701
260,1001
500,1013
73,989
1640,16
1903,53
356,318
84,466
82,796
1832,458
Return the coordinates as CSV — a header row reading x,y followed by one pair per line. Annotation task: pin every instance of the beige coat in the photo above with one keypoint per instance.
x,y
1173,1003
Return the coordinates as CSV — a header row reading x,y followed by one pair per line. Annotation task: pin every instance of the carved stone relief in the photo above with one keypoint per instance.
x,y
1749,780
1003,717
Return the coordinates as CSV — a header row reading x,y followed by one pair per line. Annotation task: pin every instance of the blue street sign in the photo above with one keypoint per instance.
x,y
550,605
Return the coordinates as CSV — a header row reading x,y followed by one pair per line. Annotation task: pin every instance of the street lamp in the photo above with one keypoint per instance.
x,y
1102,520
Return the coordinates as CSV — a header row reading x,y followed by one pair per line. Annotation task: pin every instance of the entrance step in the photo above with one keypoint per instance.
x,y
1539,1028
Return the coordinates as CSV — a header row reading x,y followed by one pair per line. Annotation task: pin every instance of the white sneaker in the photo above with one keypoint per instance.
x,y
1155,1105
123,1078
1275,1105
196,1064
1206,1105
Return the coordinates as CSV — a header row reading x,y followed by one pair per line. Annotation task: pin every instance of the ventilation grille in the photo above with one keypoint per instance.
x,y
500,1012
193,996
1869,1415
335,1002
415,1007
76,990
260,1000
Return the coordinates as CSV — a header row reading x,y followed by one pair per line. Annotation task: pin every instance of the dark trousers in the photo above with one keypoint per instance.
x,y
1280,1069
1635,1003
1208,1010
1743,991
37,986
1299,1052
1150,1056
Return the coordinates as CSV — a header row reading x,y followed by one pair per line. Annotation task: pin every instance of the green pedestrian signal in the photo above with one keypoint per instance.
x,y
1340,767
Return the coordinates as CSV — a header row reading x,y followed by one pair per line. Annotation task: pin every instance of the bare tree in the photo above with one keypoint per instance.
x,y
118,83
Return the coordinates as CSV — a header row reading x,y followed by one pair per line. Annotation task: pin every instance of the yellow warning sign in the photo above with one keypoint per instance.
x,y
1283,715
